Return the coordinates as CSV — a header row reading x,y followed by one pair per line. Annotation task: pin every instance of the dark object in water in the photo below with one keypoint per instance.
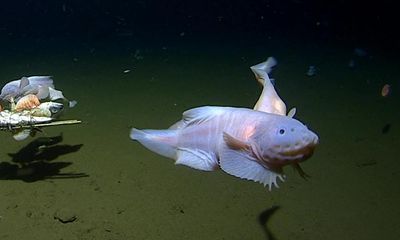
x,y
264,217
367,163
386,128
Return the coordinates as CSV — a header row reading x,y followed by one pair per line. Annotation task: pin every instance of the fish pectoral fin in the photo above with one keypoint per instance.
x,y
197,159
241,164
43,92
235,143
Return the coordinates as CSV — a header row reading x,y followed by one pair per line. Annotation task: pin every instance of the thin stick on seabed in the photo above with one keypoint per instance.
x,y
39,125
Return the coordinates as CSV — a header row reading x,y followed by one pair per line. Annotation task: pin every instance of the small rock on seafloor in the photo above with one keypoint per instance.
x,y
65,215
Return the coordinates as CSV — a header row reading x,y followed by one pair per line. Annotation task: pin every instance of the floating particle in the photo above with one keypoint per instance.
x,y
127,71
385,90
312,70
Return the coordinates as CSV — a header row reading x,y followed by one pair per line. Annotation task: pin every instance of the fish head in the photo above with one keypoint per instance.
x,y
9,91
287,141
53,107
48,109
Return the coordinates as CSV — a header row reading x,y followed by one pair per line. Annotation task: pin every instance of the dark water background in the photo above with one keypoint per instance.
x,y
184,54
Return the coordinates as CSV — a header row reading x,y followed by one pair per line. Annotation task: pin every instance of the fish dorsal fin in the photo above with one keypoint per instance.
x,y
241,164
269,100
23,82
292,112
200,114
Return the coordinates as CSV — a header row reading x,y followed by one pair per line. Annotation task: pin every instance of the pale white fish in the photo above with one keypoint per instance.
x,y
248,144
41,86
26,85
269,100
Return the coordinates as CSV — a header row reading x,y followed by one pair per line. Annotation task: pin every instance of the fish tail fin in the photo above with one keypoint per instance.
x,y
162,142
262,70
265,67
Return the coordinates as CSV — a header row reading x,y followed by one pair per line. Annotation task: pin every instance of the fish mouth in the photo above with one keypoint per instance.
x,y
301,153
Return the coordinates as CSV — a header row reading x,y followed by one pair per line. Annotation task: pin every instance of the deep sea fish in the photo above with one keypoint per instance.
x,y
37,85
41,86
253,144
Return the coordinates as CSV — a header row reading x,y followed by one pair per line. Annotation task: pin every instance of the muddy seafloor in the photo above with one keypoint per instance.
x,y
93,182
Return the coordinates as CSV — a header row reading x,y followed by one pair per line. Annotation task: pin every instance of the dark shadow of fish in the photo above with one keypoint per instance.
x,y
35,161
263,219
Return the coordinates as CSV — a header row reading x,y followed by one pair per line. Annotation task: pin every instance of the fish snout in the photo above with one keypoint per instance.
x,y
309,138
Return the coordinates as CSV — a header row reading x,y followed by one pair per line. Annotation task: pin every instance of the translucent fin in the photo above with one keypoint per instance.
x,y
55,94
43,92
197,159
178,125
201,114
240,164
269,100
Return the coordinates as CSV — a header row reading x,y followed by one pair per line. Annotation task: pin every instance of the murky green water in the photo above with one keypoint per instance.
x,y
117,189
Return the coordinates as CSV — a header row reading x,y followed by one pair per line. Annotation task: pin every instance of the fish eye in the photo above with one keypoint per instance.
x,y
281,131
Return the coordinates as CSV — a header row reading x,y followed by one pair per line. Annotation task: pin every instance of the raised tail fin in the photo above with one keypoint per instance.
x,y
262,70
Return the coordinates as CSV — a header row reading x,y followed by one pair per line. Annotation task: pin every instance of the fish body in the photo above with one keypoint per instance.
x,y
253,144
37,85
246,143
40,86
